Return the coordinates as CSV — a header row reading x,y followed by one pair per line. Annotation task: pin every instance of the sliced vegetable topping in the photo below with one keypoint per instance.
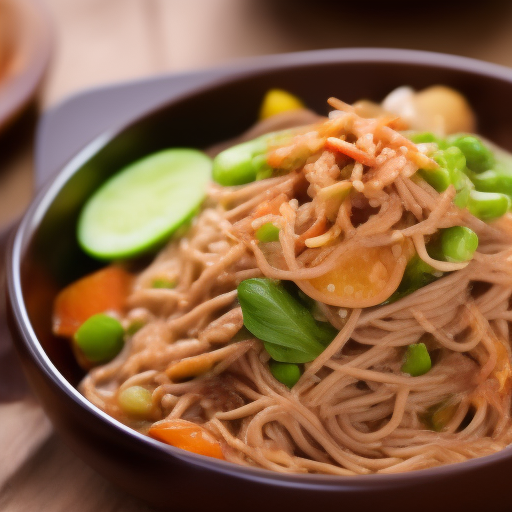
x,y
267,233
286,327
286,373
361,277
417,360
277,101
141,206
136,401
100,338
458,243
104,290
187,436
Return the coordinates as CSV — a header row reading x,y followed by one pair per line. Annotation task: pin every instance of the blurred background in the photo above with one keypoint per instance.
x,y
98,42
52,49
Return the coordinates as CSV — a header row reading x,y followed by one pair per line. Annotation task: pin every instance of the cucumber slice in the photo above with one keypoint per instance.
x,y
141,206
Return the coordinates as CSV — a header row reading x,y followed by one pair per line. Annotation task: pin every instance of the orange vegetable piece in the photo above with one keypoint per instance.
x,y
363,277
502,371
187,436
102,291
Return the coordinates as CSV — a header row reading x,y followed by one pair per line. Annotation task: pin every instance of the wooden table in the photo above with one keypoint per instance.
x,y
106,41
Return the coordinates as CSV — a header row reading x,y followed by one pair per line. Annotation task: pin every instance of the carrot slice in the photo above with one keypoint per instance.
x,y
187,436
364,277
102,291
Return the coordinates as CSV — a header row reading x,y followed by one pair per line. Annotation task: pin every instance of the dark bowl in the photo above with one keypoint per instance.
x,y
43,256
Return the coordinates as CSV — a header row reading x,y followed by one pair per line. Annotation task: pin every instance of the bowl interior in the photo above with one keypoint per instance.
x,y
51,257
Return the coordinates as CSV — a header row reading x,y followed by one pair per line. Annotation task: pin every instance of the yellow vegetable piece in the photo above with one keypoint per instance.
x,y
363,277
277,101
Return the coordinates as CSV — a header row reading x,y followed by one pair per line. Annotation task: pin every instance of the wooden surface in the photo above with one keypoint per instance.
x,y
102,41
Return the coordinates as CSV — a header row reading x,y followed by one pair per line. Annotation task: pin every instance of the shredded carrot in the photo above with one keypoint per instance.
x,y
340,105
348,149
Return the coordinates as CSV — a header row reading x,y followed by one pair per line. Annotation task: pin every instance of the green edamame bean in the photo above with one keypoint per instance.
x,y
136,401
488,205
492,181
416,360
286,373
458,243
438,178
426,137
268,233
479,157
452,164
100,338
240,164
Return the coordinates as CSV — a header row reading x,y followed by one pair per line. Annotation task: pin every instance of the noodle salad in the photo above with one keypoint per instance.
x,y
336,301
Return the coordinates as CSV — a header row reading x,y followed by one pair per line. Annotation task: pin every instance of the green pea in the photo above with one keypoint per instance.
x,y
452,164
136,401
488,205
492,181
439,178
458,243
286,373
425,137
463,195
163,283
454,161
268,233
417,360
479,157
100,338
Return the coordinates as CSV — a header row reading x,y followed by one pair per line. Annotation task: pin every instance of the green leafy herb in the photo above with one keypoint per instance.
x,y
286,327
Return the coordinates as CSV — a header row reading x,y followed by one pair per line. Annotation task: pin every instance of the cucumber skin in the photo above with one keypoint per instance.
x,y
199,171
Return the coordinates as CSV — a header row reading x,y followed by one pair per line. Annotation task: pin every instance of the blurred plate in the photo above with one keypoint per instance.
x,y
25,47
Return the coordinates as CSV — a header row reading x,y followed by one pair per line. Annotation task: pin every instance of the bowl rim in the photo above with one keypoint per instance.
x,y
22,235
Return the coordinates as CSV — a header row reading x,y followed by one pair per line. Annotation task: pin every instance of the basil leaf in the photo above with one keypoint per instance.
x,y
287,328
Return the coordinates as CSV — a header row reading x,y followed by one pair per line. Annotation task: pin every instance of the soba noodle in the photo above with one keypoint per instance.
x,y
353,411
